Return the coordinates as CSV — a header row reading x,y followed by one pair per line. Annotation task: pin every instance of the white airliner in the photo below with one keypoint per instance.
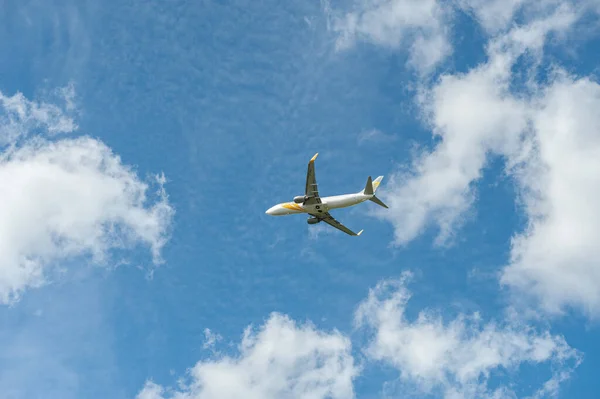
x,y
318,207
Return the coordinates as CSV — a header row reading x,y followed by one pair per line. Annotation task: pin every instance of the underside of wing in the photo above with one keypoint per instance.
x,y
312,190
330,220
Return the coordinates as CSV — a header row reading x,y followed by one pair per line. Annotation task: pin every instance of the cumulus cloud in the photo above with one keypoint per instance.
x,y
470,113
418,24
547,134
474,114
66,198
460,358
457,358
557,258
281,360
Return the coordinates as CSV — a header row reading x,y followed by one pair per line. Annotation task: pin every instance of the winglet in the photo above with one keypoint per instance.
x,y
315,157
359,233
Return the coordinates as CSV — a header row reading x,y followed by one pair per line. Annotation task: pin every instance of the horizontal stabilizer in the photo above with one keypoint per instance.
x,y
378,201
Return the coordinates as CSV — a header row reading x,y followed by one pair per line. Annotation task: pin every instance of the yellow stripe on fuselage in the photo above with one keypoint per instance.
x,y
292,206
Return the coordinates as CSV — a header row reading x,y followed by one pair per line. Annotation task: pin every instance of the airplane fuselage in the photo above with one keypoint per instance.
x,y
318,207
327,203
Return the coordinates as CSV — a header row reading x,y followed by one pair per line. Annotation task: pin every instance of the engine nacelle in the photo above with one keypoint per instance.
x,y
313,220
300,199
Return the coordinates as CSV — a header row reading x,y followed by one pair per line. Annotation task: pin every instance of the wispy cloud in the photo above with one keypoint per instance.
x,y
499,15
210,338
314,231
20,117
375,136
419,25
58,342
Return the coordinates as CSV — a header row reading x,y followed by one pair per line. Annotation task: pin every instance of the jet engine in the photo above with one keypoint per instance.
x,y
300,199
313,220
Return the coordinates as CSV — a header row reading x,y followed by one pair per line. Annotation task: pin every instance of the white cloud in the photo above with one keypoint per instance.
x,y
418,24
493,15
210,338
424,26
375,136
63,338
471,113
474,114
496,16
557,259
281,360
316,230
151,391
21,117
460,357
547,133
66,198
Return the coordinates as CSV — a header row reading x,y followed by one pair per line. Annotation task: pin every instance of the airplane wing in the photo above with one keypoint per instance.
x,y
312,191
327,218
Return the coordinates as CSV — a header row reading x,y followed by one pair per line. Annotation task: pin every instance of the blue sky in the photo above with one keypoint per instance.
x,y
142,143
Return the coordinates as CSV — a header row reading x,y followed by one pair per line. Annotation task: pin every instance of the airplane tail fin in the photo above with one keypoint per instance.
x,y
371,188
372,185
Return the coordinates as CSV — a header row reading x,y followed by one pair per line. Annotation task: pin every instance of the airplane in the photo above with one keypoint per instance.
x,y
318,207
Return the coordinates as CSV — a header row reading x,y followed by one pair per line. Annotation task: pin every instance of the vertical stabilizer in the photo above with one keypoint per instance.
x,y
372,185
368,187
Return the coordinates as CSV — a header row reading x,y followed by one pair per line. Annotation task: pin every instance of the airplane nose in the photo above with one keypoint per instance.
x,y
271,210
